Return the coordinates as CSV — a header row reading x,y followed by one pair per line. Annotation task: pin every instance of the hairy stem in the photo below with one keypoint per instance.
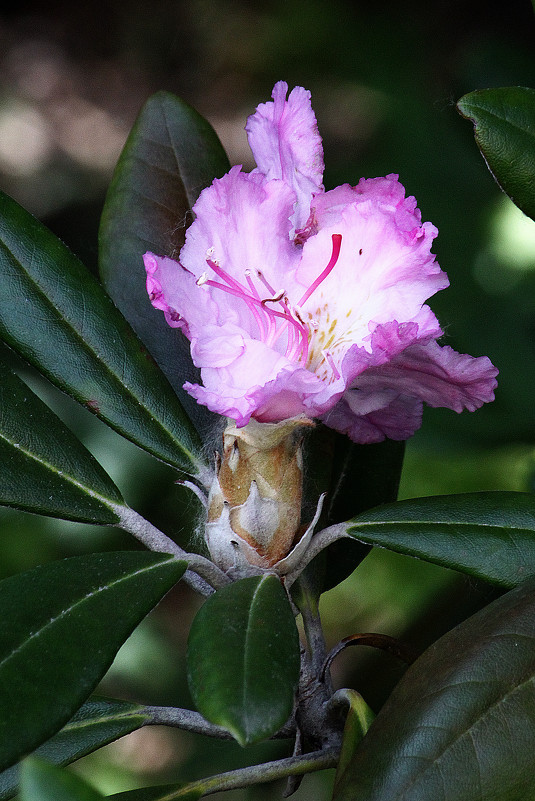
x,y
307,604
258,774
188,720
202,575
185,719
317,544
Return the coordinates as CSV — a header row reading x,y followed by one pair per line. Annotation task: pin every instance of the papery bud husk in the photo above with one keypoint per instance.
x,y
254,506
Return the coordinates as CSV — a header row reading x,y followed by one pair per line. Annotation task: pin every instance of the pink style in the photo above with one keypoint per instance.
x,y
301,301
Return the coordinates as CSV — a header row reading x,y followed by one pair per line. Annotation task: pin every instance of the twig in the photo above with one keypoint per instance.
x,y
202,575
257,774
318,542
185,719
189,720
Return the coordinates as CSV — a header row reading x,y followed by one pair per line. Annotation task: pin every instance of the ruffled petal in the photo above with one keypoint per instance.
x,y
386,401
385,270
396,417
439,376
292,392
174,290
232,390
242,224
286,145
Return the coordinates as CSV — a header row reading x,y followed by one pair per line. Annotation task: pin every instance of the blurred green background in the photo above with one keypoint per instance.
x,y
384,79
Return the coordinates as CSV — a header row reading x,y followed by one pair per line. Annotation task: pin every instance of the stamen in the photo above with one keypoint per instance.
x,y
253,302
266,283
235,288
265,317
278,297
337,243
261,320
252,287
328,356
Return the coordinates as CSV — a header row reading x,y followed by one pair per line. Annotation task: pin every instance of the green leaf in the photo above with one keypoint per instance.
x,y
490,535
358,721
172,153
243,658
61,626
45,468
504,127
460,725
58,318
43,782
98,722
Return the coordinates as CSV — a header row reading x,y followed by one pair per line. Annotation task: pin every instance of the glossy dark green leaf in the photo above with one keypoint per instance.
x,y
45,468
61,626
41,781
171,154
504,127
490,535
460,725
58,318
358,721
98,722
243,658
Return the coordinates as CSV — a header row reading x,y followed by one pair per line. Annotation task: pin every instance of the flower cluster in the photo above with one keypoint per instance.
x,y
299,301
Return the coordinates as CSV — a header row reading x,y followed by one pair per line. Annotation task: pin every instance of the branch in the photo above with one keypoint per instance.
x,y
307,604
318,542
188,720
202,574
257,774
185,719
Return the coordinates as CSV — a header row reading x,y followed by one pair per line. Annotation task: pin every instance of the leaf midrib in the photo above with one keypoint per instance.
x,y
466,732
63,475
246,705
67,610
385,524
90,349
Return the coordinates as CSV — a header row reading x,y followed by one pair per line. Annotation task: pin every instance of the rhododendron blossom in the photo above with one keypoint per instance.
x,y
301,301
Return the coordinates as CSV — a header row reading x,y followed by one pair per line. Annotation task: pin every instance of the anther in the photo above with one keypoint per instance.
x,y
278,297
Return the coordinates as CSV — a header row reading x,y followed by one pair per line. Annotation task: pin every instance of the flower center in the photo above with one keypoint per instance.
x,y
283,318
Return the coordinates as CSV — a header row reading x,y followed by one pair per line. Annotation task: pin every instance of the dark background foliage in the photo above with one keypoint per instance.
x,y
384,79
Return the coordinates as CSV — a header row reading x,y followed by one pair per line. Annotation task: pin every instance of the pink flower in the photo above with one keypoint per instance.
x,y
301,301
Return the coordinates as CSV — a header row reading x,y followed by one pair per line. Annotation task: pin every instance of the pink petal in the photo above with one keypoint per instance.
x,y
284,138
217,346
231,390
397,419
440,376
242,224
387,400
173,289
385,270
258,382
